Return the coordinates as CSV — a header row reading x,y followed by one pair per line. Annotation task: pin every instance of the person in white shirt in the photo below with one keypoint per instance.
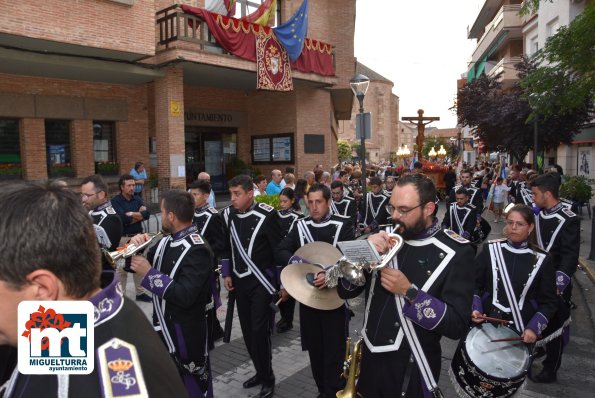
x,y
206,177
500,195
260,185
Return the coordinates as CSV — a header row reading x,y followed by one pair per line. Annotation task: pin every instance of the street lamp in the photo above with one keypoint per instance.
x,y
359,85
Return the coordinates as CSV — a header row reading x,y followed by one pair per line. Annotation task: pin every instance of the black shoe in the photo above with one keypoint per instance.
x,y
144,297
545,376
267,390
252,382
284,327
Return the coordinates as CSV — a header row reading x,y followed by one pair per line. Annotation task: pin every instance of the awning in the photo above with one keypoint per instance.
x,y
586,135
342,102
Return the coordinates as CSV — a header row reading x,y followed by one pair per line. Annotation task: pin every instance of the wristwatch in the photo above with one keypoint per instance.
x,y
411,293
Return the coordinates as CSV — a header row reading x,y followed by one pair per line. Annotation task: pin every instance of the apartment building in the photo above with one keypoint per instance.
x,y
97,85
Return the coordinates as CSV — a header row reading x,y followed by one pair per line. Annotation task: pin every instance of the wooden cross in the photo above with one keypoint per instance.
x,y
421,122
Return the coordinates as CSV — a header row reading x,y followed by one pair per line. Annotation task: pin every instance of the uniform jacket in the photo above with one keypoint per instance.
x,y
462,220
346,207
376,210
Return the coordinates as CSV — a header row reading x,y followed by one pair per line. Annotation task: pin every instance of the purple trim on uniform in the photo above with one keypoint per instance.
x,y
122,353
538,323
103,206
215,292
296,259
347,285
225,267
562,280
185,232
278,270
535,209
324,218
566,335
424,389
466,235
156,282
426,310
373,224
554,209
521,245
271,272
429,231
477,305
108,301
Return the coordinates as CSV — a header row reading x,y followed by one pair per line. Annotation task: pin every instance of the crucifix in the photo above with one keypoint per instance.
x,y
421,122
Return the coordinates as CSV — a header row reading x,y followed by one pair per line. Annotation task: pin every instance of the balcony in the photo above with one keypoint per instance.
x,y
186,37
506,66
506,25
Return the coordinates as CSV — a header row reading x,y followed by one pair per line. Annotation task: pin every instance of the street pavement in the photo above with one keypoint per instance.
x,y
576,378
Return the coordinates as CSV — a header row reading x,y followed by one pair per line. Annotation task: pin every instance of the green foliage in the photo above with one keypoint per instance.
x,y
153,180
531,6
107,168
430,142
344,150
357,148
272,200
562,81
576,189
10,169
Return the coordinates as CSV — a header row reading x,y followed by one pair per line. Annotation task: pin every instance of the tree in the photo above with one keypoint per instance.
x,y
562,78
430,142
344,150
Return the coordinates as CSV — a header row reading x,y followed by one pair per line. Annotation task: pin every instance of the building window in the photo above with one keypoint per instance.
x,y
552,27
10,150
533,45
272,148
104,148
57,140
247,7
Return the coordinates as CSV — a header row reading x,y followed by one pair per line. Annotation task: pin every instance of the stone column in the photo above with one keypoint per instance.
x,y
169,128
82,157
33,149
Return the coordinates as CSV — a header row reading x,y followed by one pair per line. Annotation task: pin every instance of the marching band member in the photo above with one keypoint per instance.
x,y
289,214
180,280
461,216
558,233
423,294
253,231
515,280
475,194
375,206
209,223
323,332
343,204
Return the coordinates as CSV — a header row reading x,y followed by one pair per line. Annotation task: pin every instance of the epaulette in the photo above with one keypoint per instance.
x,y
454,236
196,239
110,210
568,212
116,357
213,210
471,205
266,207
497,240
341,216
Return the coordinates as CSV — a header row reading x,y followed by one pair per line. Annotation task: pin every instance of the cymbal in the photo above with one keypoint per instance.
x,y
293,278
319,253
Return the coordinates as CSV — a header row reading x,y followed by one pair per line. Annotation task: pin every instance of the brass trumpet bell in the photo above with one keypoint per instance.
x,y
130,250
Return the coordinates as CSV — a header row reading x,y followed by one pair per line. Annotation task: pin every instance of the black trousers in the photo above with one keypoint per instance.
x,y
255,314
555,348
324,335
287,309
382,374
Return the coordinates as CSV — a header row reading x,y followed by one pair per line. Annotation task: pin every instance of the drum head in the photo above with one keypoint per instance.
x,y
505,359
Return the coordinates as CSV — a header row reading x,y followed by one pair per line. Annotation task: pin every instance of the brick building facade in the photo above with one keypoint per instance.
x,y
91,84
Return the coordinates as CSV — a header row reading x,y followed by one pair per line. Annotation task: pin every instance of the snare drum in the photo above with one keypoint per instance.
x,y
482,368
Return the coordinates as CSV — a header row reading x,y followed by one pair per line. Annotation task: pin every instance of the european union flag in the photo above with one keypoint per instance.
x,y
293,32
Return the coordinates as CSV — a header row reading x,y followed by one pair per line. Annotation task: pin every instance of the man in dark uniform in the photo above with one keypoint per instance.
x,y
461,216
323,332
254,230
424,293
180,280
475,194
389,184
64,264
342,204
210,226
108,226
558,233
375,206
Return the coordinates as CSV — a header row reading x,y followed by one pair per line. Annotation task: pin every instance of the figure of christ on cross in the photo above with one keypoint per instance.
x,y
421,122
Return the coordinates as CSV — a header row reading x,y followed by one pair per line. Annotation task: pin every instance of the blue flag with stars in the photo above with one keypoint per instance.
x,y
293,32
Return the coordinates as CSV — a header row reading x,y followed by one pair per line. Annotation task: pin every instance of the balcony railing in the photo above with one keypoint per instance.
x,y
505,65
507,19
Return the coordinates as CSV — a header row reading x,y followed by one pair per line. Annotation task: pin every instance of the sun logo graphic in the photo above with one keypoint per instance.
x,y
56,337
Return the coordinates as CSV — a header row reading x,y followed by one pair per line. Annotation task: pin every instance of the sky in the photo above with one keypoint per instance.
x,y
421,46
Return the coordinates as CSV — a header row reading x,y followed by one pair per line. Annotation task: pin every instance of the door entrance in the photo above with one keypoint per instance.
x,y
210,149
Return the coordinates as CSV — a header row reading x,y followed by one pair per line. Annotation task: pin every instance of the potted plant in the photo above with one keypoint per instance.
x,y
107,168
576,189
61,170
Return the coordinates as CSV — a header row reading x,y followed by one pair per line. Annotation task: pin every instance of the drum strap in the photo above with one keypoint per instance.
x,y
500,265
417,350
255,270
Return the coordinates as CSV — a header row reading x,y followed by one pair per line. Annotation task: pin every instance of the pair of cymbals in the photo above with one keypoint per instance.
x,y
297,278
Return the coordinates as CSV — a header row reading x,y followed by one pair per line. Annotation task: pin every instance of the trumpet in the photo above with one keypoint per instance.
x,y
351,368
130,250
354,272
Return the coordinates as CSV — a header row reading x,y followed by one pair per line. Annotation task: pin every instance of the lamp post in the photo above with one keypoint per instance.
x,y
359,85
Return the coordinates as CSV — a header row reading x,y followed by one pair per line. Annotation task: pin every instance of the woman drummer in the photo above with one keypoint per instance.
x,y
513,270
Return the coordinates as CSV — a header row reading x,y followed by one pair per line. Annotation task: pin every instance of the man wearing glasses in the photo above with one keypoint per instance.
x,y
423,294
108,226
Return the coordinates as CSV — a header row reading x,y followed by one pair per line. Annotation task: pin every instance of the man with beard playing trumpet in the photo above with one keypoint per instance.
x,y
424,293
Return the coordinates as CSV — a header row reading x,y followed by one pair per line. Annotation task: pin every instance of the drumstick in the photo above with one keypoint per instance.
x,y
509,339
487,318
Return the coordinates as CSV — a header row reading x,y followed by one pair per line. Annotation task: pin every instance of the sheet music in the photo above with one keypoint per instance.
x,y
359,250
